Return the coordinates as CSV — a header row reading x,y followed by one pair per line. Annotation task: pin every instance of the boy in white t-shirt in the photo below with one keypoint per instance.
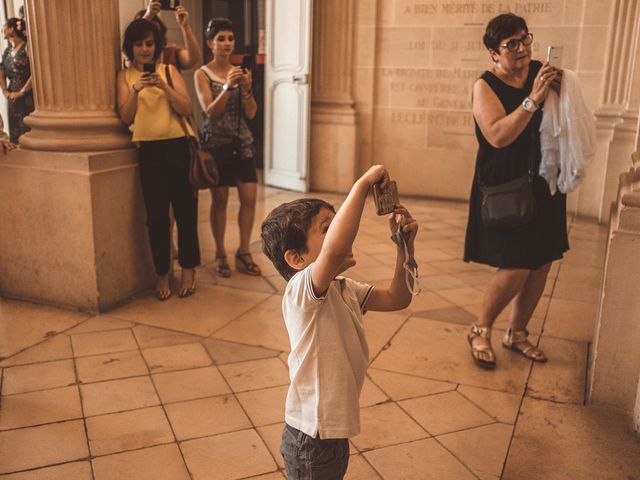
x,y
310,245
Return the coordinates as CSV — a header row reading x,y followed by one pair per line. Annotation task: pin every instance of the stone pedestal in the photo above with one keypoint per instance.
x,y
73,228
333,116
615,364
73,223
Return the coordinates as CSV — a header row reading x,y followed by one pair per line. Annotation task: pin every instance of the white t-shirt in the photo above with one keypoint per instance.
x,y
329,355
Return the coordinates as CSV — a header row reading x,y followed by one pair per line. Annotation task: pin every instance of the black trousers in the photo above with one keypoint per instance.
x,y
164,174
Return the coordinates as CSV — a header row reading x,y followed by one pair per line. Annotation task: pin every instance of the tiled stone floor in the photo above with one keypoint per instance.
x,y
194,388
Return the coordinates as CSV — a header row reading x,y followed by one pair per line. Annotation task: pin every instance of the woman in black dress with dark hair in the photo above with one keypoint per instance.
x,y
15,67
506,108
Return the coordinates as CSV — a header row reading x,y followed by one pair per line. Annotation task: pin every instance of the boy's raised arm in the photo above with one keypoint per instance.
x,y
338,242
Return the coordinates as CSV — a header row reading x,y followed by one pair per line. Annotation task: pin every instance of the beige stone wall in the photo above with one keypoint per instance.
x,y
416,61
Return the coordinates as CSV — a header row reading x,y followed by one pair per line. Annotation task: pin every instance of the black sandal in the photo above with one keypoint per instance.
x,y
245,264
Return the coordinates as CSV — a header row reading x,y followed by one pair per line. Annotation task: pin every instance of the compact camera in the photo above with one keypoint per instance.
x,y
386,200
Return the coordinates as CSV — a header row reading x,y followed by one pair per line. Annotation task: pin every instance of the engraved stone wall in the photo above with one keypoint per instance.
x,y
425,59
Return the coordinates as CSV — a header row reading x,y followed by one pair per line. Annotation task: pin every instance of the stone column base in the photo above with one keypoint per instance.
x,y
615,365
73,229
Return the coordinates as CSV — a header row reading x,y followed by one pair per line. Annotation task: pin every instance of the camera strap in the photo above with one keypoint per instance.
x,y
410,265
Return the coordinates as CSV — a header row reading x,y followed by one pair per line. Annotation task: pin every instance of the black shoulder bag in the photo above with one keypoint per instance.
x,y
512,204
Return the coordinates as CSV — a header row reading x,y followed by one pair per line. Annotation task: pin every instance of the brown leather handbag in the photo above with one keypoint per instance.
x,y
203,169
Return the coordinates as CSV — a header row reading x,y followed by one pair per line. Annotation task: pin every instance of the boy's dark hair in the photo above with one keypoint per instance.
x,y
138,30
217,24
286,227
501,27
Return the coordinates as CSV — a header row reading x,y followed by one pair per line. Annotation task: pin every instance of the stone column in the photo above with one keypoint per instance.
x,y
73,223
616,119
333,116
74,53
615,365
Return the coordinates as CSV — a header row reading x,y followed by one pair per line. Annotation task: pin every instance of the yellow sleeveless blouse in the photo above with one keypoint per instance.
x,y
155,119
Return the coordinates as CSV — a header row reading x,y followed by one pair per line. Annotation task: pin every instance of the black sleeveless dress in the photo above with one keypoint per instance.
x,y
543,240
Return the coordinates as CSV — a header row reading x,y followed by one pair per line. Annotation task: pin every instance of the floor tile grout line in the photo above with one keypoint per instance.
x,y
389,341
164,410
585,393
457,458
52,465
82,409
149,372
478,406
235,396
239,315
526,384
435,437
245,413
44,340
55,422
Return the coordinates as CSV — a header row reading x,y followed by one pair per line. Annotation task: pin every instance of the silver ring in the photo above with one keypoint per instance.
x,y
542,78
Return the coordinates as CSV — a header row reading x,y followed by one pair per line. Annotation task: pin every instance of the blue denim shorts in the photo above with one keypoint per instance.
x,y
308,458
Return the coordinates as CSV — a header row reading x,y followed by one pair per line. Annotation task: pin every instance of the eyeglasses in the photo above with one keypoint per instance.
x,y
513,44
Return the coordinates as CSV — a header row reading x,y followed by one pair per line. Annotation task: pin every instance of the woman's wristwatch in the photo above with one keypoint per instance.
x,y
529,105
226,87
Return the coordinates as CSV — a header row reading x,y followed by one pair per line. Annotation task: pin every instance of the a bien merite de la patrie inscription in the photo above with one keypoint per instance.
x,y
482,7
446,42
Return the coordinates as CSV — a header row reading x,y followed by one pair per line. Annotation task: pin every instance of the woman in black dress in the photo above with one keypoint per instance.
x,y
15,67
506,108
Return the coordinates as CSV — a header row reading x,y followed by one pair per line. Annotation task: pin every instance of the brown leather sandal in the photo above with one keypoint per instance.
x,y
245,264
222,267
517,341
163,294
483,332
187,291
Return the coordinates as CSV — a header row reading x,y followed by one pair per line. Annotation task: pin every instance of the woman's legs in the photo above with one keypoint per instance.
x,y
244,261
184,199
218,216
155,192
525,304
246,215
218,221
503,287
527,299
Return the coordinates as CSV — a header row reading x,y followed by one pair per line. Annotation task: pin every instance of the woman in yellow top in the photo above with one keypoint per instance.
x,y
147,101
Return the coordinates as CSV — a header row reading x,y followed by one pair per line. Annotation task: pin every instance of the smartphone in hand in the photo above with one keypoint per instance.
x,y
169,4
554,56
247,63
149,68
